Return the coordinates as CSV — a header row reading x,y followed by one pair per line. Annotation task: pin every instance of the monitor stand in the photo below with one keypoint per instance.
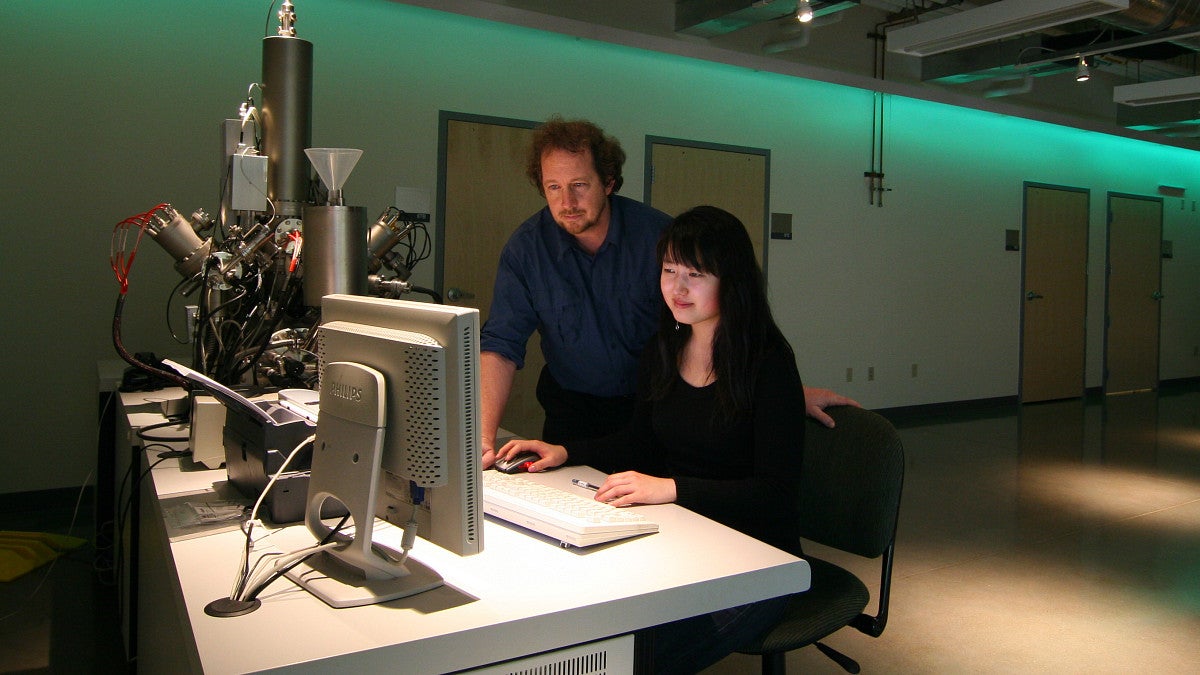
x,y
346,466
340,585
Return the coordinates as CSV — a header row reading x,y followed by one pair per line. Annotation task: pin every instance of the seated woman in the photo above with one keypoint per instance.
x,y
719,422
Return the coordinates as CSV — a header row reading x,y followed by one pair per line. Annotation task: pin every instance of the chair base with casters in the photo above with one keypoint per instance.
x,y
850,500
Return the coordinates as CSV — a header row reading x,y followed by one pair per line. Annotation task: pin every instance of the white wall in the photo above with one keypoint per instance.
x,y
112,108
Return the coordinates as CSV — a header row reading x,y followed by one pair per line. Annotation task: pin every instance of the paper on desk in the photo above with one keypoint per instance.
x,y
195,514
229,397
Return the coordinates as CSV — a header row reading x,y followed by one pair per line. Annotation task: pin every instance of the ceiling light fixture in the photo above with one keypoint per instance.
x,y
804,11
1161,91
992,22
1083,73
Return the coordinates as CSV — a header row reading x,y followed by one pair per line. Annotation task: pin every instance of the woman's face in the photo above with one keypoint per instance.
x,y
691,294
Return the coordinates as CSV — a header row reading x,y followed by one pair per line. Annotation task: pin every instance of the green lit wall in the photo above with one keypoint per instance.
x,y
112,108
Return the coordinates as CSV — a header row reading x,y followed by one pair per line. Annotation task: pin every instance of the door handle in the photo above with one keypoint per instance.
x,y
1157,295
1033,296
458,294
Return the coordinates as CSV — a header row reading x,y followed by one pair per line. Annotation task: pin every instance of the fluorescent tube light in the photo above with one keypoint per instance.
x,y
993,22
1162,91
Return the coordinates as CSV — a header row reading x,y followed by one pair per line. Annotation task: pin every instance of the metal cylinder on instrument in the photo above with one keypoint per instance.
x,y
335,251
287,120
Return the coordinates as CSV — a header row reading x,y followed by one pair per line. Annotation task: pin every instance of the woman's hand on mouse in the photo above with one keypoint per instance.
x,y
551,455
630,487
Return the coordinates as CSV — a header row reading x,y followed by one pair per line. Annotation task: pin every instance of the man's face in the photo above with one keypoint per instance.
x,y
577,197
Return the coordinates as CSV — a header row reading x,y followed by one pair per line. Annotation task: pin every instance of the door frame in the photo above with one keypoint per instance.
x,y
1104,385
1024,270
445,117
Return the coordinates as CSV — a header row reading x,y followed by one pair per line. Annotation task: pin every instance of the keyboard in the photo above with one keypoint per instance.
x,y
572,519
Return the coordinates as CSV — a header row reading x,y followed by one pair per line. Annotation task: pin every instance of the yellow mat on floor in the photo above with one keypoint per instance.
x,y
22,552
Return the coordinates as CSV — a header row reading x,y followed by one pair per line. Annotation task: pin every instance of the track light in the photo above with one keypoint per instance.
x,y
804,11
1082,72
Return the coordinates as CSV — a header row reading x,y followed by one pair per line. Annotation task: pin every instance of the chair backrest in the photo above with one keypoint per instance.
x,y
851,483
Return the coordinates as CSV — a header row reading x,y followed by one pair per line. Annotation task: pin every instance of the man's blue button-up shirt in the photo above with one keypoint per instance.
x,y
594,313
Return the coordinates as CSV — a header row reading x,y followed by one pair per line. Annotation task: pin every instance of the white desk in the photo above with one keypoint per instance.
x,y
553,597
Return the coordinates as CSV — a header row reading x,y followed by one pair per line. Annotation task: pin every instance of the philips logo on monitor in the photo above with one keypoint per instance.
x,y
348,392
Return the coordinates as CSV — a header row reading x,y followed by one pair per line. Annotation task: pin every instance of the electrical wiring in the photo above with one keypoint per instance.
x,y
121,258
426,247
281,563
275,477
297,239
409,537
174,292
241,362
121,255
215,320
267,24
242,578
141,432
264,575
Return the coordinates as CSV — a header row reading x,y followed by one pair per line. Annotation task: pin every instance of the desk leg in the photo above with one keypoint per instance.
x,y
126,529
105,533
165,643
135,546
126,460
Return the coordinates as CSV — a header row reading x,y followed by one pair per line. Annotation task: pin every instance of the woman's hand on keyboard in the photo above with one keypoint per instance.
x,y
551,455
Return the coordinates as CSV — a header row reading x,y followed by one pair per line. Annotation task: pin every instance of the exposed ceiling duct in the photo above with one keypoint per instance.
x,y
1149,30
1146,39
996,21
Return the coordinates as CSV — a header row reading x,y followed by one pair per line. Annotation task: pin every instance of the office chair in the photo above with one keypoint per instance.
x,y
849,500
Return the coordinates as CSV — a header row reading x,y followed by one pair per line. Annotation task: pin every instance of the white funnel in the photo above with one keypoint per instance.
x,y
333,165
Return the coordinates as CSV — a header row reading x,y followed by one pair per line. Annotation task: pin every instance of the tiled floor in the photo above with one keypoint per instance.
x,y
1060,537
1054,538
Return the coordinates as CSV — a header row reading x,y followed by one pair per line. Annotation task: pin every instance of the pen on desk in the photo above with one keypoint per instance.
x,y
585,484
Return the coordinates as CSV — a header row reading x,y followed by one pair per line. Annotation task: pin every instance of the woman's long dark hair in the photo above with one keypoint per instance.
x,y
714,241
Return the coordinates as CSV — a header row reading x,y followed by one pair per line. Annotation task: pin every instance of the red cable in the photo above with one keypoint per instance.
x,y
121,265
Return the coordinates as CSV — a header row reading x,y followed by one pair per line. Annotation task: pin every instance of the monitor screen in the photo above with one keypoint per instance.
x,y
422,360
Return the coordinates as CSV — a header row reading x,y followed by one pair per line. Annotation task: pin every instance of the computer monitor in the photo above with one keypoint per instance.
x,y
423,466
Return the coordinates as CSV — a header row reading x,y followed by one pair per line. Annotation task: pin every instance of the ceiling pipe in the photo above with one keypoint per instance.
x,y
1152,16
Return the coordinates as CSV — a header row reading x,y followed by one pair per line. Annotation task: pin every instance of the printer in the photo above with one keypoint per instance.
x,y
257,437
256,447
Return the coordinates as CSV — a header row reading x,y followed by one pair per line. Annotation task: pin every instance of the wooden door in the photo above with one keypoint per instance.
x,y
1054,291
484,195
684,174
1134,282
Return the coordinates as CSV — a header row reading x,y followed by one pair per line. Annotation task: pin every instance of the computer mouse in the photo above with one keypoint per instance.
x,y
518,462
